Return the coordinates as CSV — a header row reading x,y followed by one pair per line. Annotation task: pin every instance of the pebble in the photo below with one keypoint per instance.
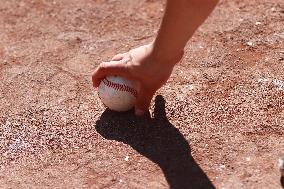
x,y
249,43
273,9
281,35
126,158
279,84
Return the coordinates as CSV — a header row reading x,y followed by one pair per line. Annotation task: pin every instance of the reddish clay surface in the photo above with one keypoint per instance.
x,y
217,123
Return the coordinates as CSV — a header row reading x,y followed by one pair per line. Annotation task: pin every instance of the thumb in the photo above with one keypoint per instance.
x,y
143,102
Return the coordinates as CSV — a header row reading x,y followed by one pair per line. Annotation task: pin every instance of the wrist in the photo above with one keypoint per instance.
x,y
164,56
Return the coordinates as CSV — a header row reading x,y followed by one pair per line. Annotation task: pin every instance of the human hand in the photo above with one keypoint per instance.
x,y
138,64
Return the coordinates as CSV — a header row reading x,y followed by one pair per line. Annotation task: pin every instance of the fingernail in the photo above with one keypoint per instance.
x,y
139,112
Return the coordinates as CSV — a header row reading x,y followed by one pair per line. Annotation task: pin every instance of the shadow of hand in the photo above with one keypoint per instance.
x,y
157,139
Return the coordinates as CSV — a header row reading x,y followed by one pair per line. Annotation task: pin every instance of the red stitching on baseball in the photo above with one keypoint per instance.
x,y
120,87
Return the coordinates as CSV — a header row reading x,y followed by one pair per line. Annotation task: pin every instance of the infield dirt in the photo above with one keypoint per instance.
x,y
217,123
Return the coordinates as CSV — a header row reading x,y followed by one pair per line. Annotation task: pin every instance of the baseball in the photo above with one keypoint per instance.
x,y
118,93
281,165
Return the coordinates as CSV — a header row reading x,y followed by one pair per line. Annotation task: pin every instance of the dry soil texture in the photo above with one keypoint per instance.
x,y
217,123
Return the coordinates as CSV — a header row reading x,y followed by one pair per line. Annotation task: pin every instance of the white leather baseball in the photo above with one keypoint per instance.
x,y
117,93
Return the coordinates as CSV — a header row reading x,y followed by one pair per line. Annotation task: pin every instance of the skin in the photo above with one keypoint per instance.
x,y
152,64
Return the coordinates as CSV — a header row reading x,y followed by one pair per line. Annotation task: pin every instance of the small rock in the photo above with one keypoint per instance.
x,y
273,9
279,84
249,43
281,35
91,48
191,87
126,158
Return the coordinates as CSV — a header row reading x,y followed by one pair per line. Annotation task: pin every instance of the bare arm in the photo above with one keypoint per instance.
x,y
180,21
152,64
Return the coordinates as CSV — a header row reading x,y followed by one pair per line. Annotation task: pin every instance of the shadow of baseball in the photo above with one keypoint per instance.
x,y
158,140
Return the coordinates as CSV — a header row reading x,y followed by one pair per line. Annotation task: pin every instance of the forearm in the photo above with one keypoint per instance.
x,y
180,21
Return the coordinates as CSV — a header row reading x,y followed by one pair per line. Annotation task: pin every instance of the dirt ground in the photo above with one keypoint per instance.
x,y
217,123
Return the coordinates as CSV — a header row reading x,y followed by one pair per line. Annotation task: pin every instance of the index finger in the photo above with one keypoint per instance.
x,y
109,68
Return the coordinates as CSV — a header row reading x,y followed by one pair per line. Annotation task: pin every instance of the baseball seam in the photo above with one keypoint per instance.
x,y
120,87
